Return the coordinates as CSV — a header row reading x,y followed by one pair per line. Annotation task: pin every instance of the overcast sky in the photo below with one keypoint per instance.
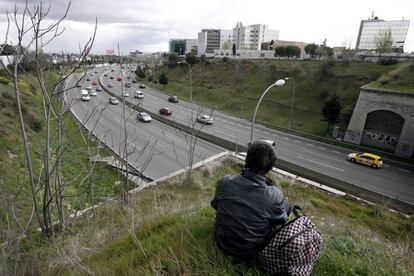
x,y
148,25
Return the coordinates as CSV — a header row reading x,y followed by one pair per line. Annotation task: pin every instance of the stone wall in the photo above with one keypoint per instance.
x,y
400,103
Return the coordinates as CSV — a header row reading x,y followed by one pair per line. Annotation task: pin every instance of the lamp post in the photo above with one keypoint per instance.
x,y
189,67
280,82
291,102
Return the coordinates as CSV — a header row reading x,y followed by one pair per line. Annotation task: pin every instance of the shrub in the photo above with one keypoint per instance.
x,y
384,80
4,80
34,122
225,59
388,61
394,74
411,68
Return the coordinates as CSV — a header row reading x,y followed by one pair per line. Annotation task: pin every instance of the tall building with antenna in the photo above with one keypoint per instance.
x,y
371,31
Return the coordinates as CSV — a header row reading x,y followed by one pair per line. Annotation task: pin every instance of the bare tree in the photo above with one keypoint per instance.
x,y
33,34
384,43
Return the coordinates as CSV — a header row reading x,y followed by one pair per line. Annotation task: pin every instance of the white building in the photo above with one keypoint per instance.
x,y
372,30
251,37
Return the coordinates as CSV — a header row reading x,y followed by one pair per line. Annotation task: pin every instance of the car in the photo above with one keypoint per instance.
x,y
165,111
110,85
125,94
111,77
134,81
112,70
84,92
138,94
366,158
119,78
85,98
78,85
88,79
93,93
142,85
113,100
128,85
88,87
144,117
105,75
98,88
94,82
173,99
205,119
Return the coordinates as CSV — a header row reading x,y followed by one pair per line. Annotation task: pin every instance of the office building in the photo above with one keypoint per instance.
x,y
371,32
251,37
213,39
182,46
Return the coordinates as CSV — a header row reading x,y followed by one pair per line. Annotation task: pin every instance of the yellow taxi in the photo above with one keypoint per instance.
x,y
365,158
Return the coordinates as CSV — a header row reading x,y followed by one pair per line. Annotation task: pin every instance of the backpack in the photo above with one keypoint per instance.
x,y
294,248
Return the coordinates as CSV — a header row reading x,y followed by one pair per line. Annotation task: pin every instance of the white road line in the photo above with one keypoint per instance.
x,y
286,138
322,155
229,135
309,145
335,151
385,165
173,138
319,163
321,148
404,170
297,141
129,142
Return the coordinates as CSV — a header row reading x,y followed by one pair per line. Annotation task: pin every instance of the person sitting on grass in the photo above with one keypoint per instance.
x,y
249,209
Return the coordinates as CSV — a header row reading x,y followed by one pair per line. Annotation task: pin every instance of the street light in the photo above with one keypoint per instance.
x,y
291,102
189,67
280,82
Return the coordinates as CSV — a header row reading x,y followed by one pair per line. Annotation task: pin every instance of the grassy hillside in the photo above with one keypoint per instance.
x,y
234,86
167,230
15,190
400,79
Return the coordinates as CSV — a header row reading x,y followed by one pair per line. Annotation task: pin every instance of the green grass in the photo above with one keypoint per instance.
x,y
167,230
400,79
235,87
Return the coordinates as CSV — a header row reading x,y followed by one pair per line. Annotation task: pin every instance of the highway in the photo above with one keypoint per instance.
x,y
394,180
153,148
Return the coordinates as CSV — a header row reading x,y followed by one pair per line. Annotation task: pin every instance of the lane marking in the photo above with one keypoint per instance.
x,y
230,135
297,141
129,142
309,145
404,170
319,163
173,138
335,151
324,156
321,148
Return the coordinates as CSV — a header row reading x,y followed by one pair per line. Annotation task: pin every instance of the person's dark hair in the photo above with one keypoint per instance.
x,y
261,157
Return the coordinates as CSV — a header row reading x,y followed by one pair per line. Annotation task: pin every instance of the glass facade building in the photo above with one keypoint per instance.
x,y
371,31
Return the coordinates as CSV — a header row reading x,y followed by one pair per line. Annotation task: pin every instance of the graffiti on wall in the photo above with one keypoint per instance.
x,y
382,138
353,136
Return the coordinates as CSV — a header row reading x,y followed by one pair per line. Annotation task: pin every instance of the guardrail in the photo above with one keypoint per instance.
x,y
282,164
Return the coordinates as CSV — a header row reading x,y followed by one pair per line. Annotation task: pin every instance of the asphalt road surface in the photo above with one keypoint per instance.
x,y
394,180
153,148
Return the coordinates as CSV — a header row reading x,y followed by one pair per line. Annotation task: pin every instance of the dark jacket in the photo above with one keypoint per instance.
x,y
249,209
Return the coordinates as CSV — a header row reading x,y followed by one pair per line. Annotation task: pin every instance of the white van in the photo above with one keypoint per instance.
x,y
84,92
